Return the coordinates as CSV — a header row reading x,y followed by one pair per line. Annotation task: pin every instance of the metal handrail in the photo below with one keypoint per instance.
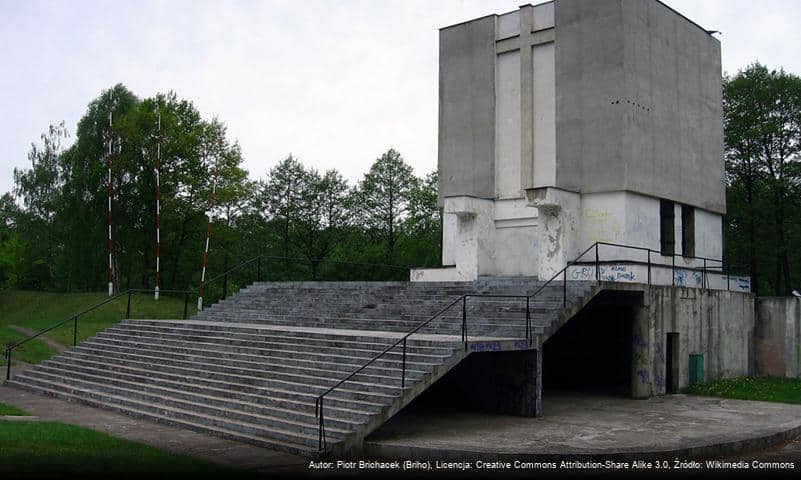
x,y
318,404
74,318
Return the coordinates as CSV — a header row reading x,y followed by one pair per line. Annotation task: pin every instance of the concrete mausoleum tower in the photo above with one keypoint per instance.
x,y
572,122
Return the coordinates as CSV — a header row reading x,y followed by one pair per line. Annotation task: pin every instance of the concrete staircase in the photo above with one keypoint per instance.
x,y
250,368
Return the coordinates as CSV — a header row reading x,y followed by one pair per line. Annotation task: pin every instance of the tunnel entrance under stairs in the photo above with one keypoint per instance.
x,y
592,352
500,382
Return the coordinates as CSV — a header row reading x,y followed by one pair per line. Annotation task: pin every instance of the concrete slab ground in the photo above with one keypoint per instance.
x,y
172,439
586,426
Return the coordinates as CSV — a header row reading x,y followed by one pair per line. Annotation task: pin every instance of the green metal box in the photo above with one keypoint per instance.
x,y
696,368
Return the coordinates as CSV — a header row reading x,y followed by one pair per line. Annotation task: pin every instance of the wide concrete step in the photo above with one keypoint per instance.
x,y
303,383
193,388
333,359
380,369
334,351
266,330
266,341
345,396
442,325
174,417
271,418
297,375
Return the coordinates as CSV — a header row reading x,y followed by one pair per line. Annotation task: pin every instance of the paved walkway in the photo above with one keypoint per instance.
x,y
161,436
594,426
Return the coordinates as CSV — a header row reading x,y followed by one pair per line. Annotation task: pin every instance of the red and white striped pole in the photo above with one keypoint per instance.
x,y
109,190
202,289
158,207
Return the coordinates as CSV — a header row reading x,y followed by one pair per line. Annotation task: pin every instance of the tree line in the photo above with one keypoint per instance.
x,y
762,126
53,231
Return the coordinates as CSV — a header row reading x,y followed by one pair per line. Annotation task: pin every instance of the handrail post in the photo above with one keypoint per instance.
x,y
258,270
225,286
673,271
75,330
728,279
128,308
649,267
403,365
464,321
528,321
597,264
186,303
8,364
318,407
703,275
564,287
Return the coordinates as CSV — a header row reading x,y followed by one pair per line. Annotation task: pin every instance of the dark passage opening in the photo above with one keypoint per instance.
x,y
501,382
671,363
593,352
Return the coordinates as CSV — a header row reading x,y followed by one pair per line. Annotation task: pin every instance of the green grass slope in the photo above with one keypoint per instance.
x,y
38,310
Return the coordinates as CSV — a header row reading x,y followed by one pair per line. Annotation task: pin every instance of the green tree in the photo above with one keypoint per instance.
x,y
279,197
64,192
384,196
762,117
323,213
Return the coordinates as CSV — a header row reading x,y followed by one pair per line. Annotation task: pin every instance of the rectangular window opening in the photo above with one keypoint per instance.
x,y
667,230
687,231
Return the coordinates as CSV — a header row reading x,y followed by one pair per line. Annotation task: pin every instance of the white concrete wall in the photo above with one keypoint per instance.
x,y
517,249
507,126
633,219
449,238
508,25
515,238
544,79
543,16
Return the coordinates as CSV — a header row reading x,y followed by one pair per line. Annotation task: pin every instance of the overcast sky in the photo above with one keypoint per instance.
x,y
335,83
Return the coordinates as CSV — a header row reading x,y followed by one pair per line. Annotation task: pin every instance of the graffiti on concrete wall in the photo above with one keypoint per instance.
x,y
613,273
485,347
688,278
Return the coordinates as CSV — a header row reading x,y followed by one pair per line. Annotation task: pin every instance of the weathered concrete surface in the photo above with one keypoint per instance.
x,y
777,336
638,102
591,426
717,324
467,109
175,440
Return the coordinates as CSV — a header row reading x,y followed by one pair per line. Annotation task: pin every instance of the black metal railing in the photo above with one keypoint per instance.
x,y
704,265
75,317
319,401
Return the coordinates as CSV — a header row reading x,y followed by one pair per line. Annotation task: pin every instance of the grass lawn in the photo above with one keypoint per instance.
x,y
9,410
37,310
769,389
49,449
31,352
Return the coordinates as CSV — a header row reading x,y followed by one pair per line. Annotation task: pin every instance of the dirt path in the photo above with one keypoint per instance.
x,y
57,346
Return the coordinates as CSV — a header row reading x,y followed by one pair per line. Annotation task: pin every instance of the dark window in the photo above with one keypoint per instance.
x,y
687,231
667,232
